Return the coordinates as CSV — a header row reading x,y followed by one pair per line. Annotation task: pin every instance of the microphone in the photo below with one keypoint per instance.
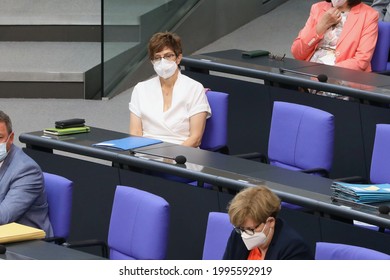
x,y
2,249
382,209
180,159
321,77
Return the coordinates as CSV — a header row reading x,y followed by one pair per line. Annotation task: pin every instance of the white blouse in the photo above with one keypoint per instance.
x,y
173,125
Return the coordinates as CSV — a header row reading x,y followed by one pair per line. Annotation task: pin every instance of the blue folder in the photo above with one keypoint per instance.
x,y
362,193
127,143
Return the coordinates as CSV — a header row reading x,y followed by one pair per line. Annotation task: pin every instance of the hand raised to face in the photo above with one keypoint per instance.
x,y
330,18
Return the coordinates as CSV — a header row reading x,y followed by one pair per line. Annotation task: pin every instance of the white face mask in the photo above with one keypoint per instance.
x,y
255,240
3,149
165,68
338,3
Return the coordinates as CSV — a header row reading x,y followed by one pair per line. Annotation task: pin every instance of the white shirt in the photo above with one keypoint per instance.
x,y
173,125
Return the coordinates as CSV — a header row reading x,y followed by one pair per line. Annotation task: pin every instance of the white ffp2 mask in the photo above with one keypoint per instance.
x,y
165,68
255,240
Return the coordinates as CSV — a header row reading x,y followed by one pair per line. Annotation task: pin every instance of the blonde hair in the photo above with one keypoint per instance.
x,y
257,203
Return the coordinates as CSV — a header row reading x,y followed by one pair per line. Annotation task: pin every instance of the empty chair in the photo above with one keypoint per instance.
x,y
138,229
59,196
218,231
301,138
380,59
336,251
380,159
215,134
380,162
139,225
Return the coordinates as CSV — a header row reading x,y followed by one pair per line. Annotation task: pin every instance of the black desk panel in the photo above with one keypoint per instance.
x,y
250,112
361,85
41,250
95,184
250,103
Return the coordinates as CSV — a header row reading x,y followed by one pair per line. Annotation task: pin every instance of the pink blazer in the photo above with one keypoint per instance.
x,y
357,41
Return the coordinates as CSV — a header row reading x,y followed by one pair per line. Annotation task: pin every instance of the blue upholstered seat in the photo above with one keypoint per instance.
x,y
336,251
380,59
217,234
301,138
59,196
139,225
215,133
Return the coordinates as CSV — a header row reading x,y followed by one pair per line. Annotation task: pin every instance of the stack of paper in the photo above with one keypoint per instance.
x,y
14,232
362,193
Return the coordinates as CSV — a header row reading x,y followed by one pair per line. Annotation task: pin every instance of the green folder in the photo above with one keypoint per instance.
x,y
66,131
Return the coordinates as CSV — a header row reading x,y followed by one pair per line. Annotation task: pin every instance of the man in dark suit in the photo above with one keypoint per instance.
x,y
22,194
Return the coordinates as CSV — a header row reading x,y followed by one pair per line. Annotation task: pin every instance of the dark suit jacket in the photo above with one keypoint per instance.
x,y
22,195
286,244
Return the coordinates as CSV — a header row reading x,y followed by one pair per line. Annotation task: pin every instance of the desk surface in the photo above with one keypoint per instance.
x,y
369,86
41,250
218,169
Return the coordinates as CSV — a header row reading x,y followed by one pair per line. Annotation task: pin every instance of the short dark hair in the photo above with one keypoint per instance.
x,y
7,120
161,40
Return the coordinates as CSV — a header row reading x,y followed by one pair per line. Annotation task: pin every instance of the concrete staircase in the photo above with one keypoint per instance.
x,y
52,48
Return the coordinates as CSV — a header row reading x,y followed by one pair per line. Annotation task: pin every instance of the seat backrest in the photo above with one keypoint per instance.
x,y
59,197
215,134
337,251
301,137
380,160
139,225
218,231
380,57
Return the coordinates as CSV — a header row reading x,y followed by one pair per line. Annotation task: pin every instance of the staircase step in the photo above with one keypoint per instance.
x,y
52,48
53,69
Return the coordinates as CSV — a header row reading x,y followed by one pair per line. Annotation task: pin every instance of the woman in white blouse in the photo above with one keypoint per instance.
x,y
170,106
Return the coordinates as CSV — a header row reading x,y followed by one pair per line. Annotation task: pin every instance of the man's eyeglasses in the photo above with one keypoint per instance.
x,y
168,56
248,231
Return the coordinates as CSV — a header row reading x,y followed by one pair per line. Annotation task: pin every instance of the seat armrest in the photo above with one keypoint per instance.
x,y
89,243
386,72
55,239
220,149
353,179
253,156
320,171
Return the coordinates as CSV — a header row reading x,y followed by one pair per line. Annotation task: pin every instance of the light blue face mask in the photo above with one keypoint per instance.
x,y
3,149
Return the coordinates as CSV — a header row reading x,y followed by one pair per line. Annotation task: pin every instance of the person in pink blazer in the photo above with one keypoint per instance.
x,y
339,32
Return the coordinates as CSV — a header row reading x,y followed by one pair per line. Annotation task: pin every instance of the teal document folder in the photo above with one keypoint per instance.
x,y
363,193
128,143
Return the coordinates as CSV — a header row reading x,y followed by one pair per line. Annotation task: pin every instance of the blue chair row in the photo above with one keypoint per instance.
x,y
138,229
127,230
